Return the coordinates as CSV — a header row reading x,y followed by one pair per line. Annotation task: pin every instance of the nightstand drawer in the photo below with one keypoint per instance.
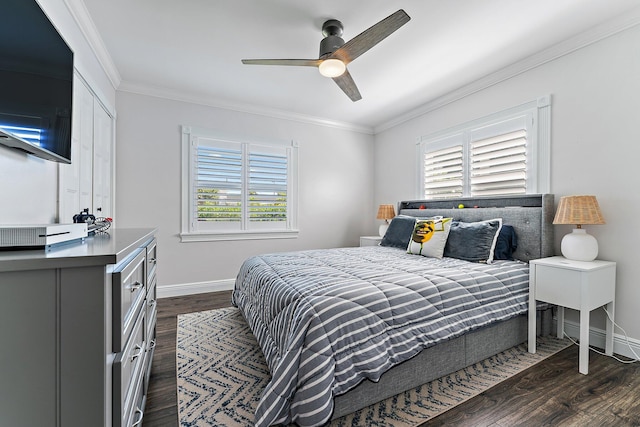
x,y
558,285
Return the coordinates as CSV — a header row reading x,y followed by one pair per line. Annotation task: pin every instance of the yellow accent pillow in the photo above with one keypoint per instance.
x,y
429,237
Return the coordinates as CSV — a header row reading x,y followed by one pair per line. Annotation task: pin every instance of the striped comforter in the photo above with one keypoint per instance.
x,y
328,319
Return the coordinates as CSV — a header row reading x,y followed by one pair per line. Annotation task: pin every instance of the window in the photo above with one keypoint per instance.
x,y
505,153
236,189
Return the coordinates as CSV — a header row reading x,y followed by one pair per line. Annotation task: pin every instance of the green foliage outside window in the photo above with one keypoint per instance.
x,y
211,206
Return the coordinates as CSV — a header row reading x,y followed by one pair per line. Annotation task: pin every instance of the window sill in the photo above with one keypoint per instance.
x,y
238,235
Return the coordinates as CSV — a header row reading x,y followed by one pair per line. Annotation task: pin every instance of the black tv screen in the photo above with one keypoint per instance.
x,y
36,82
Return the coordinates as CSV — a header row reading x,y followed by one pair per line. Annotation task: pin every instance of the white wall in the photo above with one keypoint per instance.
x,y
594,137
335,184
29,185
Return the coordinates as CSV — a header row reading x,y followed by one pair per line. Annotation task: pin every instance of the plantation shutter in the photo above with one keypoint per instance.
x,y
217,184
498,164
443,173
267,183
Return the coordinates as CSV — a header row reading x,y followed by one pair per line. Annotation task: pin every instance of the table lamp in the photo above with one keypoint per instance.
x,y
579,211
385,212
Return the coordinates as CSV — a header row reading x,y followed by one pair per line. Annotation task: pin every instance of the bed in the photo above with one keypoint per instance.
x,y
344,328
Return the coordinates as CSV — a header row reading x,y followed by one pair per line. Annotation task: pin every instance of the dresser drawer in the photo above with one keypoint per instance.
x,y
129,292
150,319
151,300
152,259
133,417
151,348
128,371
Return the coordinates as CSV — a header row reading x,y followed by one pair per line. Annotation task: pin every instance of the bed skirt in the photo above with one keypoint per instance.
x,y
442,359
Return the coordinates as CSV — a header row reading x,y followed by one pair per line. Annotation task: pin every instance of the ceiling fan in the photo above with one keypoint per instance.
x,y
335,54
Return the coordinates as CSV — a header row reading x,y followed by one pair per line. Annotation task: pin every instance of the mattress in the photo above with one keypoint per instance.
x,y
326,320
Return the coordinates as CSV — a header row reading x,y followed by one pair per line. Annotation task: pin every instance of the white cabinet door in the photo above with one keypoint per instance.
x,y
87,182
102,161
75,187
86,149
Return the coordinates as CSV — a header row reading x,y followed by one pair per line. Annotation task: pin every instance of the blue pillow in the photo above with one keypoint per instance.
x,y
399,232
473,241
507,243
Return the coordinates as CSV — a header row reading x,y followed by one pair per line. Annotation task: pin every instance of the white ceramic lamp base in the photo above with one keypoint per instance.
x,y
579,246
383,229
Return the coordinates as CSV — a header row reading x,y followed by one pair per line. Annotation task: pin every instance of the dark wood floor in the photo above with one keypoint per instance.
x,y
161,408
551,393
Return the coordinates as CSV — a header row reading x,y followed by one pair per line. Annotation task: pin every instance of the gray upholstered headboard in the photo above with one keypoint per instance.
x,y
531,216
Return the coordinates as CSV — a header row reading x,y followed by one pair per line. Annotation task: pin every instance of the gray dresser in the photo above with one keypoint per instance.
x,y
77,331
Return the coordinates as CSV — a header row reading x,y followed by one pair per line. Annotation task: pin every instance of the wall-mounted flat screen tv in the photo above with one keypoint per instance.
x,y
36,83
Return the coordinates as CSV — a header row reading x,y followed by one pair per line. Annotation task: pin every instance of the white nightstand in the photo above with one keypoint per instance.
x,y
579,285
370,240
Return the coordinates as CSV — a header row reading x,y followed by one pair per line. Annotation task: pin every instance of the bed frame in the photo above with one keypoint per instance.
x,y
532,217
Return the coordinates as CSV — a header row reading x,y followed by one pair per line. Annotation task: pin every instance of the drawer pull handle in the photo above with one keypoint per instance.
x,y
151,303
138,354
141,412
153,260
134,287
152,345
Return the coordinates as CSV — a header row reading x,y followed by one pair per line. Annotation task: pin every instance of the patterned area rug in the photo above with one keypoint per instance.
x,y
221,374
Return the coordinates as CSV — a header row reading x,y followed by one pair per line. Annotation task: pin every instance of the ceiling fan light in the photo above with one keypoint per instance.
x,y
332,67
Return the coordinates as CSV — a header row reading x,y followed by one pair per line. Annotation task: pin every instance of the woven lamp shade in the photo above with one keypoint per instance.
x,y
578,210
386,212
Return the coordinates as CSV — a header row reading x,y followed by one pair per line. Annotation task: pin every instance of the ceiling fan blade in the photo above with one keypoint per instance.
x,y
371,37
348,86
299,62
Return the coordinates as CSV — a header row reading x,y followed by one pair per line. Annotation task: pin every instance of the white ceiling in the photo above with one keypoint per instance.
x,y
191,49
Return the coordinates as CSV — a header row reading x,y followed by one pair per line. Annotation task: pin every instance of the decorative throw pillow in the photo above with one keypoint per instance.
x,y
507,243
429,237
473,241
399,232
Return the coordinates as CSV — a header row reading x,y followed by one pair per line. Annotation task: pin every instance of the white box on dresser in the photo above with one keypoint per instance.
x,y
77,331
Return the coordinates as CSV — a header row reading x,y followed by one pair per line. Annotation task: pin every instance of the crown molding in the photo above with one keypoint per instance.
x,y
89,31
165,93
593,35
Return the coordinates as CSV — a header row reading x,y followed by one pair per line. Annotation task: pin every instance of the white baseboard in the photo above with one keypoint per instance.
x,y
166,291
597,339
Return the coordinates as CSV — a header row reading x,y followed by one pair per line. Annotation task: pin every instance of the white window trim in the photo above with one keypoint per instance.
x,y
540,114
187,235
